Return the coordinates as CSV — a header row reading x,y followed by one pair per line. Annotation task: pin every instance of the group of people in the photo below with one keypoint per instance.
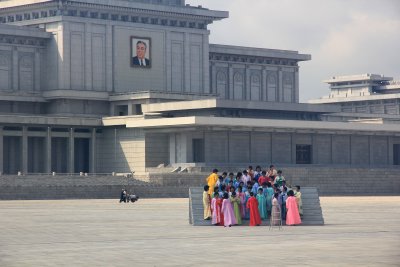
x,y
254,195
126,197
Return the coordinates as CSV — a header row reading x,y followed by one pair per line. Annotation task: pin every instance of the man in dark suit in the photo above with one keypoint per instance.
x,y
140,60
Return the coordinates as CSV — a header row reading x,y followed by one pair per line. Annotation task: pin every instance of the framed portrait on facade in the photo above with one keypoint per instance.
x,y
140,52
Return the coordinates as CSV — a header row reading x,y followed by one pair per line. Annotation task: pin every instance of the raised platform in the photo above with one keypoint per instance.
x,y
312,212
34,187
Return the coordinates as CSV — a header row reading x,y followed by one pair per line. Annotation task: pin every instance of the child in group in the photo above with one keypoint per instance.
x,y
262,204
250,172
297,194
218,203
220,182
246,177
255,188
276,210
270,194
247,210
252,206
263,178
292,215
221,191
282,202
206,203
239,177
216,210
228,188
235,200
231,190
279,179
257,174
236,180
227,210
242,197
243,186
272,172
229,178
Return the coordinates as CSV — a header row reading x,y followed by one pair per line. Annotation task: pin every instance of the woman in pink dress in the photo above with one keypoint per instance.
x,y
227,210
216,211
242,197
292,216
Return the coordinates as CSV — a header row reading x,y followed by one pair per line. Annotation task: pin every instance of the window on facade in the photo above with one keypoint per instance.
x,y
396,154
198,150
303,154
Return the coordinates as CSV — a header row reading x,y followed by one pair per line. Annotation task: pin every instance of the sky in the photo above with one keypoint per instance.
x,y
344,37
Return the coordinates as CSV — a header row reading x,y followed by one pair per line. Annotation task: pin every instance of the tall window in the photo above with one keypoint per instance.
x,y
303,154
396,154
198,150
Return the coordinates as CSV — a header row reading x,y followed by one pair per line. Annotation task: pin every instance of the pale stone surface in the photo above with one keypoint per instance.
x,y
358,232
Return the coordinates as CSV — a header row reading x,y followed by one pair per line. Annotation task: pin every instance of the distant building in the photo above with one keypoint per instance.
x,y
365,97
86,86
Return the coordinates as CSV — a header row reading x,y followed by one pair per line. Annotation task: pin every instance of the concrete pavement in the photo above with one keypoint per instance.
x,y
359,231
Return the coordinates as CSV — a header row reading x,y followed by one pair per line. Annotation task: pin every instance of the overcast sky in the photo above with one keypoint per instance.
x,y
344,37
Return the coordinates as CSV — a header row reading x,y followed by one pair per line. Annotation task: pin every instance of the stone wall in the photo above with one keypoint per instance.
x,y
238,147
329,181
121,150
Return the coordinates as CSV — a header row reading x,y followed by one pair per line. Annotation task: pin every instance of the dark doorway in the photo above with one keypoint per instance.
x,y
396,154
81,149
12,154
303,154
198,150
36,154
59,154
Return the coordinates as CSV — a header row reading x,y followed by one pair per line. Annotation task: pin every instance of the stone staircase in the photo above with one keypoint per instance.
x,y
312,212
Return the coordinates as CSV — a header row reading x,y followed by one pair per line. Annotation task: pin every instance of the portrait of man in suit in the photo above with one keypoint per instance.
x,y
140,49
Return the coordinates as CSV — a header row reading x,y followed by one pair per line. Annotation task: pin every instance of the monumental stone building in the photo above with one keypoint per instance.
x,y
127,85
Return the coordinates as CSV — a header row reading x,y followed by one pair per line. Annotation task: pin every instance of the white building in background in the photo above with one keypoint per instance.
x,y
75,98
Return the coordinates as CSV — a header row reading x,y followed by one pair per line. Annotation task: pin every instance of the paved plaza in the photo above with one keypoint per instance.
x,y
359,231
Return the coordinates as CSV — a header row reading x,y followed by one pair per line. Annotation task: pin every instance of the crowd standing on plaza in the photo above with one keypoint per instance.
x,y
253,195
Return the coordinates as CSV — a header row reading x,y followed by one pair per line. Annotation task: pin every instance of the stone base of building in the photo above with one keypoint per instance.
x,y
330,181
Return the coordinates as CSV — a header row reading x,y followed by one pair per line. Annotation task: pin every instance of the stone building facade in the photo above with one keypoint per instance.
x,y
72,100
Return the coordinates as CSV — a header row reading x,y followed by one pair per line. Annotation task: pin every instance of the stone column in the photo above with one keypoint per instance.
x,y
15,69
279,97
71,154
24,149
88,56
172,148
37,70
205,65
296,86
130,109
247,84
230,81
168,58
93,157
48,150
187,69
1,151
109,59
264,92
213,80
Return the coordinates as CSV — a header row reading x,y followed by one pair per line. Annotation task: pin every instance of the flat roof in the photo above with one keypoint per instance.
x,y
335,100
183,10
258,52
232,104
358,77
269,124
